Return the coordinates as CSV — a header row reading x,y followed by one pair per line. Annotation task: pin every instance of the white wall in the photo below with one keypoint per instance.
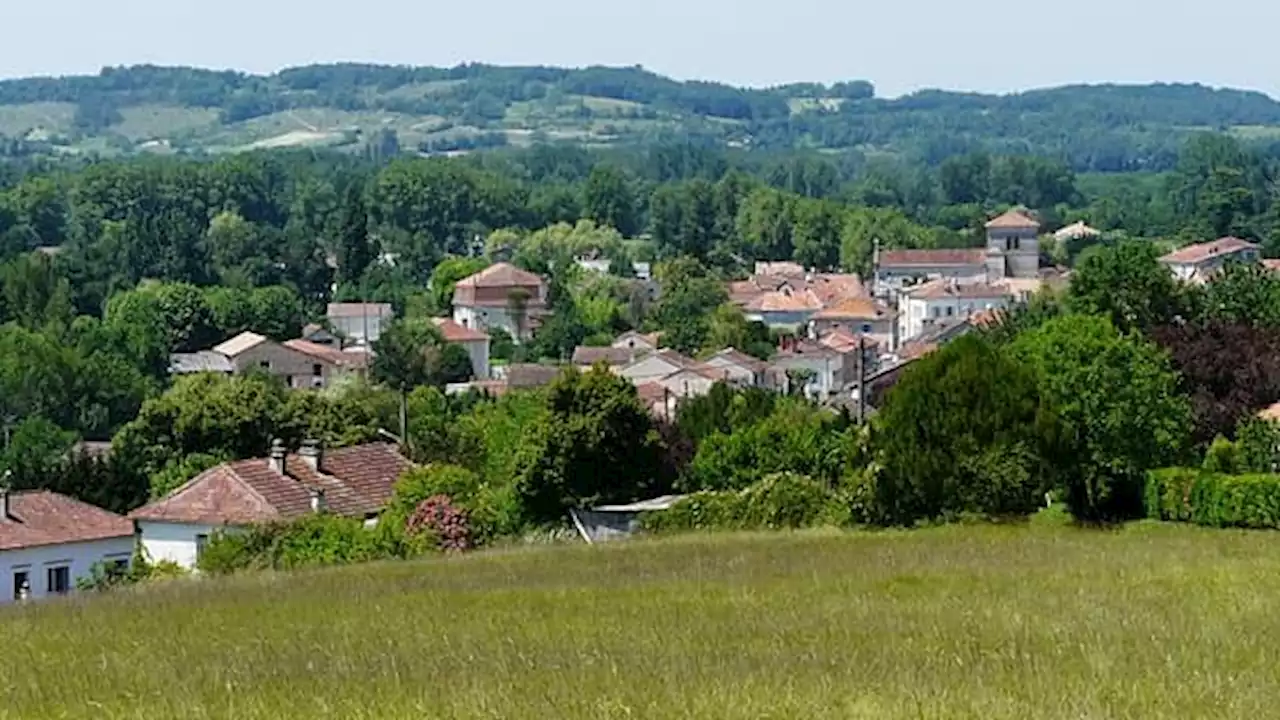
x,y
354,327
478,350
174,542
486,318
79,557
920,311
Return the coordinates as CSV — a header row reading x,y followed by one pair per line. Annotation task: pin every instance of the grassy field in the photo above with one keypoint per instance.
x,y
959,622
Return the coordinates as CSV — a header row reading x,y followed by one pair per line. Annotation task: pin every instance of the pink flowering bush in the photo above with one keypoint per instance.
x,y
438,517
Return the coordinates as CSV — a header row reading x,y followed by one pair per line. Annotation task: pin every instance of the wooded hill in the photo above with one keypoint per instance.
x,y
381,109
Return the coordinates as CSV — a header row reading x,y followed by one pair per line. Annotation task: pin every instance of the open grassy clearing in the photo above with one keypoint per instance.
x,y
17,120
959,622
147,122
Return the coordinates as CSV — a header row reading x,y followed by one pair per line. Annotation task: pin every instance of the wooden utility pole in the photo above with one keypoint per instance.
x,y
861,412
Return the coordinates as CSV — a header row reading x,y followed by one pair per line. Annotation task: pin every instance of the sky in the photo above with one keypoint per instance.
x,y
900,45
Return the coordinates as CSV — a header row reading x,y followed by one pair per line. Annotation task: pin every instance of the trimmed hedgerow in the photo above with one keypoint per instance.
x,y
1214,500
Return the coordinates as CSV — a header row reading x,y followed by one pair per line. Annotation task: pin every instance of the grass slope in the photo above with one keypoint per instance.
x,y
976,622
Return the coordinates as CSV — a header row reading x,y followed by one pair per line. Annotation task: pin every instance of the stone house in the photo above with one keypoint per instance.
x,y
475,342
1198,263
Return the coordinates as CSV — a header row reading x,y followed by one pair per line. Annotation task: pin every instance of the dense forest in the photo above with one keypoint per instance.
x,y
1107,128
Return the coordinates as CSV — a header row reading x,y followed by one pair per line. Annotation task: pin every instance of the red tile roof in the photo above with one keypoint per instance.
x,y
327,353
40,517
945,288
742,360
356,481
933,258
612,356
1198,253
1271,264
501,275
782,301
457,332
844,342
1013,220
854,307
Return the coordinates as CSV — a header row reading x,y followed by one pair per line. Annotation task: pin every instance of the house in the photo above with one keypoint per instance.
x,y
848,345
299,363
475,342
899,269
585,358
501,296
935,335
658,400
1076,231
49,541
351,482
1198,263
944,300
644,342
784,308
200,362
360,323
328,363
824,366
693,381
783,268
739,368
656,366
859,314
320,335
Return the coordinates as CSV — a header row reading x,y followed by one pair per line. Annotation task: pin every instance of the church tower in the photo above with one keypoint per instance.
x,y
1013,246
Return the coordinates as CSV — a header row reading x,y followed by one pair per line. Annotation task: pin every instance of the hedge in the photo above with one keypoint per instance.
x,y
780,501
1214,499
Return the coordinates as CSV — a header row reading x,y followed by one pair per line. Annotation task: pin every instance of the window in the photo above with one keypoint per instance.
x,y
950,311
288,381
201,542
120,564
21,584
936,312
265,364
317,370
866,328
59,580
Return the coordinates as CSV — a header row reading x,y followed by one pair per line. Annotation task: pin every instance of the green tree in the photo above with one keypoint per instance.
x,y
355,248
607,199
1126,283
445,277
411,353
595,420
1119,408
966,429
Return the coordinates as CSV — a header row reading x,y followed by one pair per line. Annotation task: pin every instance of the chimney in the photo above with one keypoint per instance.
x,y
312,453
276,460
318,503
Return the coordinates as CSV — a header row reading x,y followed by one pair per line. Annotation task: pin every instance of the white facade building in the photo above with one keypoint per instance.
x,y
942,302
49,541
360,323
1198,263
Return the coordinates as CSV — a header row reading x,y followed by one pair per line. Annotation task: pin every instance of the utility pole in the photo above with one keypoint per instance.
x,y
861,414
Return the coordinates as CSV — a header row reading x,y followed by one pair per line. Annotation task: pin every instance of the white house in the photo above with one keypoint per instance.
x,y
738,368
500,296
694,381
946,301
360,323
475,342
825,366
1197,263
49,541
655,366
351,482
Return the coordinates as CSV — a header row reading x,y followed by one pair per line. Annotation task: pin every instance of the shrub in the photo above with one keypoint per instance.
x,y
1222,457
1214,500
308,541
780,501
443,522
1258,442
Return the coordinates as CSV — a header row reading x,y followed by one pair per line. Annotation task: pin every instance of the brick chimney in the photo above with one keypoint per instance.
x,y
276,460
312,453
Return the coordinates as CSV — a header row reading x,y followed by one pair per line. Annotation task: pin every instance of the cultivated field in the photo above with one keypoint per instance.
x,y
959,622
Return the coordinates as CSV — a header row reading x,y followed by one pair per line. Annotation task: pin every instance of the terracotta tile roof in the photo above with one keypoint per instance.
x,y
933,258
844,342
742,292
783,267
355,310
1013,220
530,375
40,517
612,356
238,344
986,318
674,358
832,286
456,332
356,481
945,288
861,308
500,275
742,360
327,353
652,392
1271,264
781,301
1200,252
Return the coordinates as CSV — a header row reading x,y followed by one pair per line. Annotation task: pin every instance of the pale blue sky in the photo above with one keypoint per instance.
x,y
900,45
